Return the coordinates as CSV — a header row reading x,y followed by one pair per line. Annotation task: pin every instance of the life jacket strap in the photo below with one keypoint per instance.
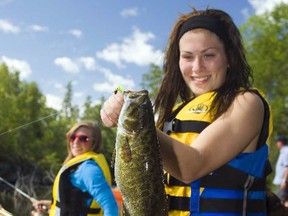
x,y
232,205
228,177
176,125
170,181
179,203
87,211
248,184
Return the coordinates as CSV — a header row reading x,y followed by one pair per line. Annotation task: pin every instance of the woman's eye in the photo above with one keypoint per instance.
x,y
209,55
187,57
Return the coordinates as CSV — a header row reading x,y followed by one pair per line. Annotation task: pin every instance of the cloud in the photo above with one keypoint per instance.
x,y
67,65
246,13
17,65
78,94
134,49
58,86
74,66
88,63
129,12
262,6
54,102
8,27
113,80
38,28
76,32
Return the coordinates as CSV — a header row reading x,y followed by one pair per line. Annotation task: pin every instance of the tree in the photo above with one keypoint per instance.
x,y
28,128
108,134
266,39
70,112
152,80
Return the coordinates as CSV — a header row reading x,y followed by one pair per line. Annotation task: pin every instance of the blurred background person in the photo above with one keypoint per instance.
x,y
83,184
281,170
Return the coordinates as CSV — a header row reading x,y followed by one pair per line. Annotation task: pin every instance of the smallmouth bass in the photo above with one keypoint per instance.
x,y
138,165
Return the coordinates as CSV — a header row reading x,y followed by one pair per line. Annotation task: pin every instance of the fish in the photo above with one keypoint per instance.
x,y
138,168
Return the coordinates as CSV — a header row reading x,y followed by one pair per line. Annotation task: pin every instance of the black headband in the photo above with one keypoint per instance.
x,y
208,22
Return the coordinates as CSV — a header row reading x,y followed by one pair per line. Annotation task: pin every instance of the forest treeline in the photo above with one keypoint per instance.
x,y
32,135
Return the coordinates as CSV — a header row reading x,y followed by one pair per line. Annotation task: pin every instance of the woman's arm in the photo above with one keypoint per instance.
x,y
234,132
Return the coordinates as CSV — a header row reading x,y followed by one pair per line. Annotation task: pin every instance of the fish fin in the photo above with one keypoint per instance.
x,y
126,151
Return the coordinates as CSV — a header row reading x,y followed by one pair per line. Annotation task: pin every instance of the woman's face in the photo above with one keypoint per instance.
x,y
80,141
203,61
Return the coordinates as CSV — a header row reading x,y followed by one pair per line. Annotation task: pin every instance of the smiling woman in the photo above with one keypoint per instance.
x,y
83,184
214,143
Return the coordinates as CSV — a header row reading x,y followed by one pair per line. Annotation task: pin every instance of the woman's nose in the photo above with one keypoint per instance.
x,y
197,64
76,140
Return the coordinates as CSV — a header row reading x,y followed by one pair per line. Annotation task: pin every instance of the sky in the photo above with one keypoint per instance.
x,y
96,45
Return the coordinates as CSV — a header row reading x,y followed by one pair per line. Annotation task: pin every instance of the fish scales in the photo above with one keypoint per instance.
x,y
138,165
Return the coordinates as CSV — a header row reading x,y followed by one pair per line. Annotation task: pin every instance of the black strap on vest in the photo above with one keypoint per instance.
x,y
178,203
234,179
264,131
172,181
232,205
265,126
85,212
180,126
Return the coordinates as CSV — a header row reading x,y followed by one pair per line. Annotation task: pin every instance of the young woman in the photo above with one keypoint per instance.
x,y
214,143
83,184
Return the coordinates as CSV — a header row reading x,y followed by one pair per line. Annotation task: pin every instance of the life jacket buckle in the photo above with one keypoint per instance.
x,y
169,127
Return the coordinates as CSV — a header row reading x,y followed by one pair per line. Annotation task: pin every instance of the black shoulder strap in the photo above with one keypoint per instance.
x,y
264,131
265,127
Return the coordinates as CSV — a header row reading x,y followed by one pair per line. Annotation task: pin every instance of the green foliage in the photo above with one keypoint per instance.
x,y
152,80
70,112
108,134
26,123
266,39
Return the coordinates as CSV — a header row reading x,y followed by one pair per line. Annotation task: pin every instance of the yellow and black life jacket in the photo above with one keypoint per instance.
x,y
68,200
202,196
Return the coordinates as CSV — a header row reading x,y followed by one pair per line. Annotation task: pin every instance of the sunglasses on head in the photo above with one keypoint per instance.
x,y
81,138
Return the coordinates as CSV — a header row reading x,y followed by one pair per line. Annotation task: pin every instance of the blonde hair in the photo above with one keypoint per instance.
x,y
95,134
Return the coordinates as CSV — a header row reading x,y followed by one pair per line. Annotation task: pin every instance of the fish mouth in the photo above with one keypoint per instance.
x,y
123,130
135,94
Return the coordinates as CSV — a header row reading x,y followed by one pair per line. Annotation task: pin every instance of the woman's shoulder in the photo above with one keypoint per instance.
x,y
247,105
249,98
88,164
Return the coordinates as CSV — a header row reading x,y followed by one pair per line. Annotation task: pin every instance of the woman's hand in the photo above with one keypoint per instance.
x,y
111,109
42,206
